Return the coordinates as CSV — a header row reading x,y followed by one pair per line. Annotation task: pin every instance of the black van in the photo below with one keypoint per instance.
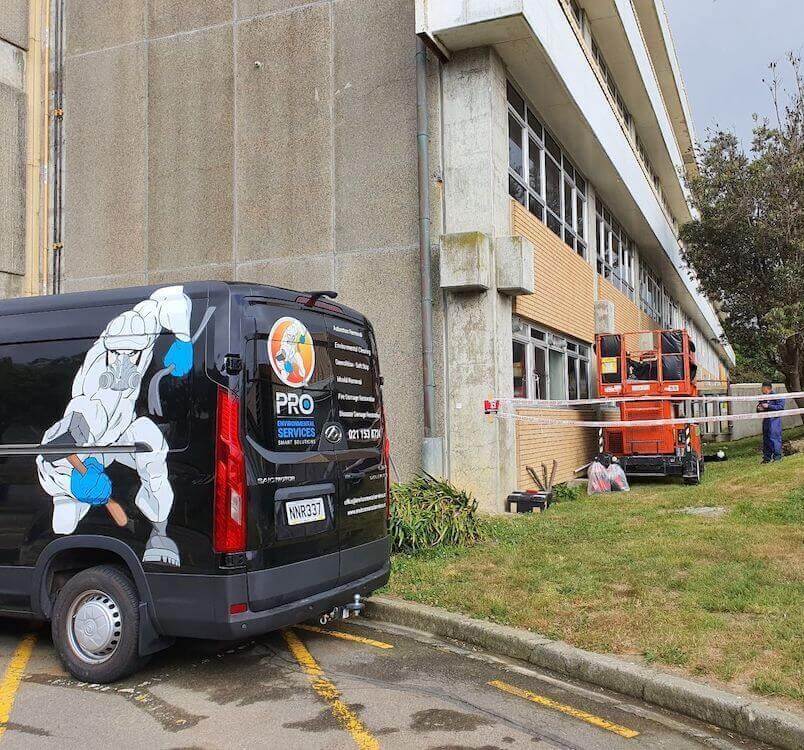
x,y
203,460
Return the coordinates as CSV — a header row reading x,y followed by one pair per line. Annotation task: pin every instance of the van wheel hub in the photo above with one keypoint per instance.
x,y
94,626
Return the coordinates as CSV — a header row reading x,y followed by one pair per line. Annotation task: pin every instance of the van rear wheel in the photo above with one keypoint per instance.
x,y
96,625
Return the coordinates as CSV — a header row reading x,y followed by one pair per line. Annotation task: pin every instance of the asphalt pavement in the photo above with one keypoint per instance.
x,y
359,684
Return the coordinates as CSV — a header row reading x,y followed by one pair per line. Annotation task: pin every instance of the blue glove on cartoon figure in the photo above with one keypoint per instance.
x,y
94,487
180,355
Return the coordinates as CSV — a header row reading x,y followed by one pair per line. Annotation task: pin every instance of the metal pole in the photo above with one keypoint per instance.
x,y
423,143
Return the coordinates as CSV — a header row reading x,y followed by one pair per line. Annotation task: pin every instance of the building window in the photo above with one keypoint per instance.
x,y
520,363
578,13
615,251
548,365
650,294
541,176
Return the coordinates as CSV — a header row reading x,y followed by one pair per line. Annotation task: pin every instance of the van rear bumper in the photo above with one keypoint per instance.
x,y
197,606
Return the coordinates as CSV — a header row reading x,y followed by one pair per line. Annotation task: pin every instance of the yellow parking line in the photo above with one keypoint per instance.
x,y
327,690
12,677
569,710
345,636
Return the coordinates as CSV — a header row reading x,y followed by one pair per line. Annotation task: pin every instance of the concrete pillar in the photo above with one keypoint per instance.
x,y
604,316
13,102
481,451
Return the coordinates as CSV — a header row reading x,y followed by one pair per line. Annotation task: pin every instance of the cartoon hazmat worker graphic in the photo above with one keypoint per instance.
x,y
101,414
291,352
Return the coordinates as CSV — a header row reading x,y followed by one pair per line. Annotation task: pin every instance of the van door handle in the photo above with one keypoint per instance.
x,y
350,476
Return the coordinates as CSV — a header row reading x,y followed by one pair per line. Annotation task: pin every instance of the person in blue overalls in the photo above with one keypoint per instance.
x,y
771,426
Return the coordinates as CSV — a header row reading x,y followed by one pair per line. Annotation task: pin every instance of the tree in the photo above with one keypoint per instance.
x,y
746,245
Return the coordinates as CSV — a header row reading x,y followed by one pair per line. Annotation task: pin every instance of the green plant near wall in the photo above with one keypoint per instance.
x,y
428,512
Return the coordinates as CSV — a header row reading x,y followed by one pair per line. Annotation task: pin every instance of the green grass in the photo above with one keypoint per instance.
x,y
629,574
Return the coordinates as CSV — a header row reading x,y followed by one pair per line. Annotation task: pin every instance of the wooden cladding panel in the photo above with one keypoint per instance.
x,y
572,447
627,316
564,298
648,323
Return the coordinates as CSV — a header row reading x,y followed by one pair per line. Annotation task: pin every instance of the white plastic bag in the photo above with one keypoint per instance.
x,y
617,478
599,481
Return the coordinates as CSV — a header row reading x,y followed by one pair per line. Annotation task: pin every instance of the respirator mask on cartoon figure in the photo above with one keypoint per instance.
x,y
121,372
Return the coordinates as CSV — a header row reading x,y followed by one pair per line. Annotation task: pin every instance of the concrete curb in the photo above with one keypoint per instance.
x,y
737,713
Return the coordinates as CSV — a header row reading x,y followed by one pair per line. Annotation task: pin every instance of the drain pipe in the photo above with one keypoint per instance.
x,y
432,458
57,150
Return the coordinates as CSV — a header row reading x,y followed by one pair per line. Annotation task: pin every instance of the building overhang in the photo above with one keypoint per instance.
x,y
659,40
539,48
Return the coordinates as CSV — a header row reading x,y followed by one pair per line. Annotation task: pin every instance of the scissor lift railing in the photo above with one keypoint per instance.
x,y
651,364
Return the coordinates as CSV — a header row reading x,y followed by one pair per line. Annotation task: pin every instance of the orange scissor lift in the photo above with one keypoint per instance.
x,y
650,364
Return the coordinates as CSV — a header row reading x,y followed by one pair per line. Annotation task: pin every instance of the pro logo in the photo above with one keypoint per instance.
x,y
291,352
294,404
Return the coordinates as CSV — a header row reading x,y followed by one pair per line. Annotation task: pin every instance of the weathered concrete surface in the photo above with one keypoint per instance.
x,y
466,262
14,22
305,272
167,17
604,316
101,24
513,258
11,285
374,157
731,712
284,177
421,693
190,149
12,162
105,163
249,8
114,281
482,454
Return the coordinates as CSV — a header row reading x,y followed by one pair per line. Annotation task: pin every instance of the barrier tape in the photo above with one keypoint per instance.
x,y
551,422
548,403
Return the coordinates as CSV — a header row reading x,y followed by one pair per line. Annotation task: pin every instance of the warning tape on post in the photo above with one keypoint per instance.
x,y
522,403
493,408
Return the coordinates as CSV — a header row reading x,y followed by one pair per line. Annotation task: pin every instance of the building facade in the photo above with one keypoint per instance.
x,y
276,141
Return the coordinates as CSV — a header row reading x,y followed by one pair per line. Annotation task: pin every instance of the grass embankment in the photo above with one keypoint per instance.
x,y
717,597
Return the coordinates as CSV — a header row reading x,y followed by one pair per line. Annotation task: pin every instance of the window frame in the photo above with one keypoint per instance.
x,y
616,252
651,293
535,337
565,224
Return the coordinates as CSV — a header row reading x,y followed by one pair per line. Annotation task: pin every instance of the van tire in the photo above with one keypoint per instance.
x,y
107,648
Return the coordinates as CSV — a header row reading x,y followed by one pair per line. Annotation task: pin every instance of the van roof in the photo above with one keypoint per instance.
x,y
134,294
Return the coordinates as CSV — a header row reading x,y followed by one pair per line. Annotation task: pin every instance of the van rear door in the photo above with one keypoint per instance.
x,y
293,483
360,456
314,445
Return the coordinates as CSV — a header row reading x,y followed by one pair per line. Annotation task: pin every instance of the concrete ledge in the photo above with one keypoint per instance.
x,y
466,264
737,713
513,258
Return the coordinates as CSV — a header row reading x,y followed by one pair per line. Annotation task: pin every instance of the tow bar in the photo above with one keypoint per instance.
x,y
353,609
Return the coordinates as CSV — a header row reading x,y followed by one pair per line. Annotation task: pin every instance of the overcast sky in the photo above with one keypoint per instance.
x,y
724,47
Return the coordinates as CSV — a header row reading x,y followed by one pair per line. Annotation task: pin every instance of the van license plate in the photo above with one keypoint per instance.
x,y
305,511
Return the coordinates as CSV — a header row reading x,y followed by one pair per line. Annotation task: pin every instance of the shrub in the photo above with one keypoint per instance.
x,y
563,492
427,512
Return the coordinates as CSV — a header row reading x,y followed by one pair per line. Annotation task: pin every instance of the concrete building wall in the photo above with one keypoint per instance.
x,y
275,146
14,23
13,104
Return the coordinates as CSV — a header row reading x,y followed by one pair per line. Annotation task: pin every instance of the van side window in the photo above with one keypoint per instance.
x,y
35,386
36,381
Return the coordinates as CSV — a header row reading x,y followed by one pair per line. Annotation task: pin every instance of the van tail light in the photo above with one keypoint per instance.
x,y
386,459
229,524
